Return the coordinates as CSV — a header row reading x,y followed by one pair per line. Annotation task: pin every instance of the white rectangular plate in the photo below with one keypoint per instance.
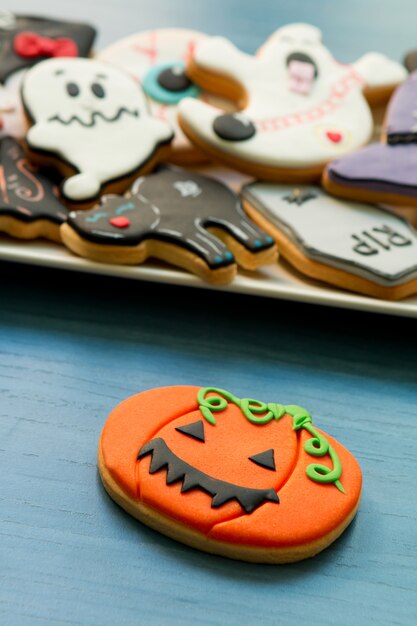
x,y
275,281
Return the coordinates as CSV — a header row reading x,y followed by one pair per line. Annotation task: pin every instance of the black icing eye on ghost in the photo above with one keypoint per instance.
x,y
302,72
168,83
72,89
98,90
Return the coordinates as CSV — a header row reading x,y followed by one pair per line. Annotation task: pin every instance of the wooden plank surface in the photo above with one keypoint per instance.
x,y
73,346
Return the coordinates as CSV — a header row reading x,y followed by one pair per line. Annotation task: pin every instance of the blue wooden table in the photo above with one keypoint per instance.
x,y
73,346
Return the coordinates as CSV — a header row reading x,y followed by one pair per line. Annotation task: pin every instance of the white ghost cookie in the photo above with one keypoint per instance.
x,y
300,108
157,59
91,121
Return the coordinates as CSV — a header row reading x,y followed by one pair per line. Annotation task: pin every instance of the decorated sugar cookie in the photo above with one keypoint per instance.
x,y
91,121
191,221
246,479
383,172
358,247
24,41
157,59
300,108
29,204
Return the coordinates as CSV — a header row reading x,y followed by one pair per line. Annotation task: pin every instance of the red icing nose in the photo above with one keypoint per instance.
x,y
335,137
119,222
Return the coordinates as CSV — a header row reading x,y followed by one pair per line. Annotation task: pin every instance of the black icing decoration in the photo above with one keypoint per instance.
x,y
178,207
178,470
25,194
233,127
298,197
174,79
194,430
264,459
82,34
98,90
73,90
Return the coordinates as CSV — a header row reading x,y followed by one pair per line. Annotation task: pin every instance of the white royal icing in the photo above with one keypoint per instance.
x,y
301,121
377,70
102,137
138,53
362,239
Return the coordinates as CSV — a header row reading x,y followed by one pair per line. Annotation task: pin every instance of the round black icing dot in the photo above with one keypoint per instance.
x,y
174,79
233,127
72,89
98,90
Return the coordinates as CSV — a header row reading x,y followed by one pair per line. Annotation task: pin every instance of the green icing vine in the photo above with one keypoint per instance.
x,y
261,413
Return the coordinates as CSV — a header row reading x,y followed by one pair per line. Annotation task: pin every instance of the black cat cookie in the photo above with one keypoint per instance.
x,y
29,204
189,220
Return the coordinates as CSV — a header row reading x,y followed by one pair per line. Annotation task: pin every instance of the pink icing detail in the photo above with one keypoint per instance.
x,y
339,91
151,50
334,137
301,77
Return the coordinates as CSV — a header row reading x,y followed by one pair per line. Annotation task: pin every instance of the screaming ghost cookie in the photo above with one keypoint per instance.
x,y
300,108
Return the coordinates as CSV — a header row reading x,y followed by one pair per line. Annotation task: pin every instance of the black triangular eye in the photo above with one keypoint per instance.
x,y
264,459
194,430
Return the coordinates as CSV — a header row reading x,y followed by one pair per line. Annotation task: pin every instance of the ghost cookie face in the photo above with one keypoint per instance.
x,y
157,59
90,120
239,477
300,108
29,203
359,247
384,172
188,220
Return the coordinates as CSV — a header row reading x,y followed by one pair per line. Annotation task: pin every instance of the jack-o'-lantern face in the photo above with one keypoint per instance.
x,y
207,459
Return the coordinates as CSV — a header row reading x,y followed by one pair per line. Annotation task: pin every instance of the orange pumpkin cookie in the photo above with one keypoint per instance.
x,y
237,477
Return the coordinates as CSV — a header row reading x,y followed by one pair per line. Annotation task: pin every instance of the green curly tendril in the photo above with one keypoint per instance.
x,y
261,413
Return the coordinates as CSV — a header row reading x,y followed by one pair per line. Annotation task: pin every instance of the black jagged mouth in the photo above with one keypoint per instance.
x,y
94,117
178,470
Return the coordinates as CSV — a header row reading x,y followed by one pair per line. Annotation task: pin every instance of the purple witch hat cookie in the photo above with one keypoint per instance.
x,y
386,172
188,220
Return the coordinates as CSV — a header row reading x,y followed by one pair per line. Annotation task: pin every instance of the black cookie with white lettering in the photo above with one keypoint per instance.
x,y
25,40
29,204
189,220
359,247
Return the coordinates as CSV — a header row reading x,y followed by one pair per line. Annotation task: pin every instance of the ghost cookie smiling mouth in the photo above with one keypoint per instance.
x,y
91,122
